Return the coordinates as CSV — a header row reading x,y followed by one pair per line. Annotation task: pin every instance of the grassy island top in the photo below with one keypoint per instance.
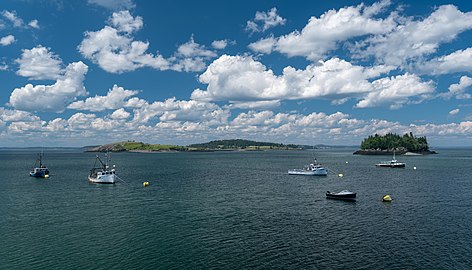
x,y
237,144
391,141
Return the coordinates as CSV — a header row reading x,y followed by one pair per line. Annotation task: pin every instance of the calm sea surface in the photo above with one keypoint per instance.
x,y
236,210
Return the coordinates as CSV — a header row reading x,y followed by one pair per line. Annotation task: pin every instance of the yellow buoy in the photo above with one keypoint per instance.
x,y
340,175
145,184
46,176
387,198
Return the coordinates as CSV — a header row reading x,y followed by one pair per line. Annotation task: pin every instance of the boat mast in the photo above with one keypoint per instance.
x,y
313,155
101,162
40,160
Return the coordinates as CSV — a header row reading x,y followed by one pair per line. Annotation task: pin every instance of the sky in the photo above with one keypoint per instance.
x,y
87,72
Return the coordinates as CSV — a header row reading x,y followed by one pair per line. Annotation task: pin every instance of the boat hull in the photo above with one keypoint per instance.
x,y
343,196
102,179
318,172
398,165
39,174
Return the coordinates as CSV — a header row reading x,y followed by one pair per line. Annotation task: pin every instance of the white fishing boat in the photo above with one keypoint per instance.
x,y
312,169
391,164
102,174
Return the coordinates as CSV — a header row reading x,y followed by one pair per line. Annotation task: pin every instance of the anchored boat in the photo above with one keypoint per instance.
x,y
102,174
391,164
312,169
40,171
342,195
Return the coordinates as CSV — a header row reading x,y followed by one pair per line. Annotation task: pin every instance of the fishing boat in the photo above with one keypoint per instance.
x,y
391,164
342,195
314,168
101,173
39,170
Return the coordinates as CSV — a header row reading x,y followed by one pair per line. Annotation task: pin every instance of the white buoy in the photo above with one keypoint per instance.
x,y
347,162
340,175
414,168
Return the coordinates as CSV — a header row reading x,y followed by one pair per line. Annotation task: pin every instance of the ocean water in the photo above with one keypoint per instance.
x,y
236,210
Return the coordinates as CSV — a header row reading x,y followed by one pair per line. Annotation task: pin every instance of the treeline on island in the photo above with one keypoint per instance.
x,y
390,142
237,144
242,144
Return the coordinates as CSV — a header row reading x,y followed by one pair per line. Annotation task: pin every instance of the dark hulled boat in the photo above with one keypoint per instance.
x,y
343,195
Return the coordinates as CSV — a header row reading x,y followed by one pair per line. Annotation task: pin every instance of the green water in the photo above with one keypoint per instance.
x,y
236,210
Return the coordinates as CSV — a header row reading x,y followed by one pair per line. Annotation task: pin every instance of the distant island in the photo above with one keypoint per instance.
x,y
391,142
219,145
239,144
132,146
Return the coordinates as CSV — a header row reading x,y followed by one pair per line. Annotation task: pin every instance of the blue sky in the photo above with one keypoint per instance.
x,y
76,73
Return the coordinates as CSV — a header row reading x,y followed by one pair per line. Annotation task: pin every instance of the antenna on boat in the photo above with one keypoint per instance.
x,y
313,155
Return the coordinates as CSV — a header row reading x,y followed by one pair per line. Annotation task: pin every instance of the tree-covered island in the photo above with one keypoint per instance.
x,y
390,142
239,144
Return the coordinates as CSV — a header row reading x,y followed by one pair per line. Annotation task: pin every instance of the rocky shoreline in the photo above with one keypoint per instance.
x,y
390,152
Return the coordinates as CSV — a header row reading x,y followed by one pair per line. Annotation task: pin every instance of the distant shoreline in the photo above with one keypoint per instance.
x,y
388,152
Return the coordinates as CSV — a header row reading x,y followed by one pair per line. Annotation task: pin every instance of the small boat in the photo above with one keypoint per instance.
x,y
342,195
40,171
102,174
314,168
391,164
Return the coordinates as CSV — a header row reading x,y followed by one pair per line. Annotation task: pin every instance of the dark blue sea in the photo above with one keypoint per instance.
x,y
236,210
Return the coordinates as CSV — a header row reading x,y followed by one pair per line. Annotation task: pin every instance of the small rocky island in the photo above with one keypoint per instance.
x,y
385,145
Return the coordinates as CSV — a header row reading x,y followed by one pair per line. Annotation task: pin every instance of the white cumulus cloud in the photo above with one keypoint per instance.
x,y
7,40
180,110
191,57
7,115
396,91
116,98
411,39
221,44
13,18
120,114
454,112
34,24
52,97
458,61
115,51
17,22
241,79
39,64
323,34
264,21
458,90
124,22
